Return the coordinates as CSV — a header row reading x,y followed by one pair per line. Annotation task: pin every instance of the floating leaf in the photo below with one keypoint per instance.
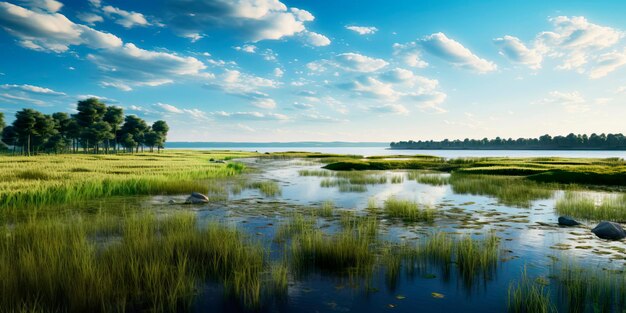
x,y
437,295
400,297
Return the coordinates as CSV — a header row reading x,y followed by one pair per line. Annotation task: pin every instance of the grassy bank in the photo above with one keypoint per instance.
x,y
60,179
611,171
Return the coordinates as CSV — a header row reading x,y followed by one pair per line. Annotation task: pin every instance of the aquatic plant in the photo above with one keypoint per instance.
x,y
143,264
316,173
408,210
508,190
268,188
610,208
429,179
527,296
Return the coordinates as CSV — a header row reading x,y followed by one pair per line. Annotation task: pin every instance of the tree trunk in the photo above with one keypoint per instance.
x,y
28,145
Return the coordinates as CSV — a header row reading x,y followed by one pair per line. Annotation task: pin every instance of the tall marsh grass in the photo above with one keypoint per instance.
x,y
62,179
142,263
514,191
610,208
407,210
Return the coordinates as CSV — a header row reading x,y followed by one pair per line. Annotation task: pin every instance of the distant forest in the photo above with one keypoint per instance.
x,y
545,142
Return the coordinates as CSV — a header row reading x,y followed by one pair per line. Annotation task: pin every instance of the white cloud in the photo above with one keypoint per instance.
x,y
264,103
125,18
21,98
439,45
278,72
89,18
193,113
51,6
131,65
51,31
255,20
315,39
358,62
314,117
32,89
409,54
302,106
607,63
245,86
101,98
247,48
303,15
392,108
513,49
250,116
362,30
371,87
573,102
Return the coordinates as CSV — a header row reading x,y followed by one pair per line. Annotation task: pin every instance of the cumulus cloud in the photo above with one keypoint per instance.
x,y
21,98
127,19
51,31
513,49
255,20
315,39
132,66
577,43
362,30
451,51
32,89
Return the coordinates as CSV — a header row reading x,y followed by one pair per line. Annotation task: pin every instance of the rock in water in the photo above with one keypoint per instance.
x,y
199,196
609,230
171,201
567,221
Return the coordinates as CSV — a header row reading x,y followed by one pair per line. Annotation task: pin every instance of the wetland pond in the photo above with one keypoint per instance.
x,y
501,235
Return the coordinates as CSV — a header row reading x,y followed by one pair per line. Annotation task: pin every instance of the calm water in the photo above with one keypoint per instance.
x,y
369,151
529,235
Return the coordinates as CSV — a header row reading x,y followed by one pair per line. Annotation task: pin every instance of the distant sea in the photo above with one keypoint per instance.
x,y
382,148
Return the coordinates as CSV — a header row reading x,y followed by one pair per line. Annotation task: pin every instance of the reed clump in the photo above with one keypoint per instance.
x,y
526,296
268,188
607,207
407,210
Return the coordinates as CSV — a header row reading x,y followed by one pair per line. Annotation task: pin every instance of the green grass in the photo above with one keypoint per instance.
x,y
396,179
408,210
268,188
429,179
527,296
352,188
316,173
586,171
326,209
513,191
64,179
477,256
589,288
610,208
140,262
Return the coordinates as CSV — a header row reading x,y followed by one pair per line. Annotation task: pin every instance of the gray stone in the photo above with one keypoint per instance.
x,y
171,201
199,196
567,221
609,230
194,200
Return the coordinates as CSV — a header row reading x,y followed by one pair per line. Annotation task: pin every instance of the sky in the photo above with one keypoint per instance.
x,y
346,70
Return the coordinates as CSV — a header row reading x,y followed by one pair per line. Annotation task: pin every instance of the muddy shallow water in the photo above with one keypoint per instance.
x,y
530,238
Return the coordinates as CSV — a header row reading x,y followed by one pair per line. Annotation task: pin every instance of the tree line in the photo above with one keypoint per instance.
x,y
545,142
96,128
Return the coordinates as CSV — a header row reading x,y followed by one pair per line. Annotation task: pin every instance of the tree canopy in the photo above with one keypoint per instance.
x,y
545,142
95,127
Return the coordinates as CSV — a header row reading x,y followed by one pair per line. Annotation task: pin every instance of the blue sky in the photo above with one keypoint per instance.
x,y
268,70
